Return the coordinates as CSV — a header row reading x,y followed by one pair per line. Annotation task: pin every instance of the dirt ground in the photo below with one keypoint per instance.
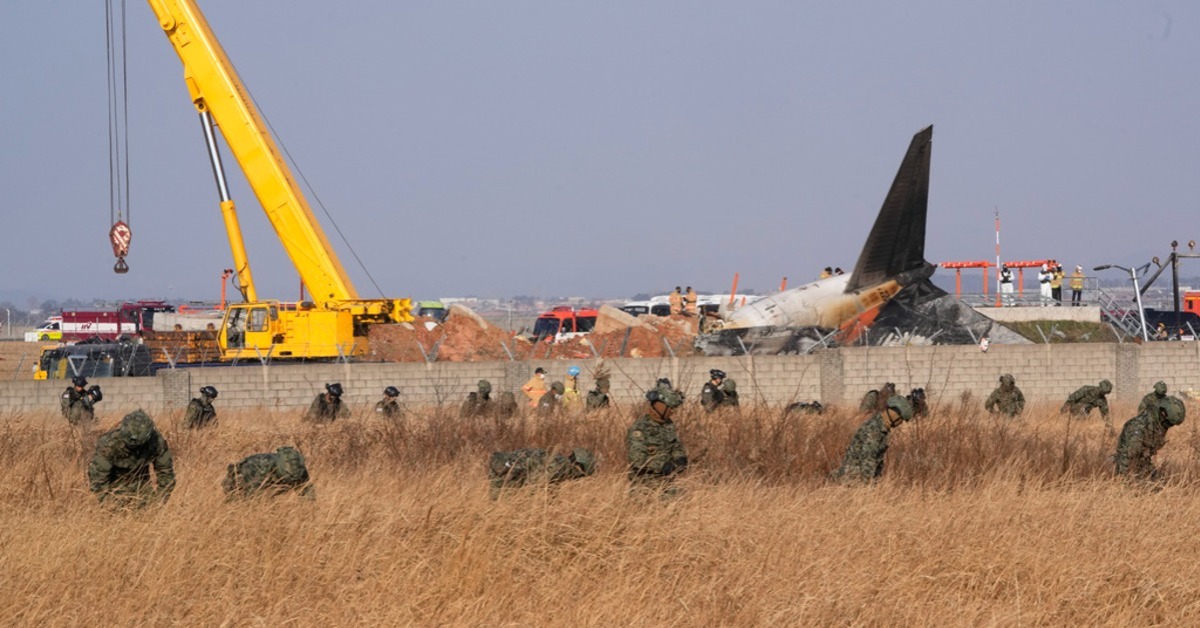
x,y
17,359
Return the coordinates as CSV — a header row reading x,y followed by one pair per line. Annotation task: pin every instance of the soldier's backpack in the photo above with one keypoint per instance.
x,y
290,467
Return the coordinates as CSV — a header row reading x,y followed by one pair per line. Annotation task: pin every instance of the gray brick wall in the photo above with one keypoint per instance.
x,y
1044,372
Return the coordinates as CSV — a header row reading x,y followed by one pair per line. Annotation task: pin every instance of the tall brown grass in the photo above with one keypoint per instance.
x,y
976,522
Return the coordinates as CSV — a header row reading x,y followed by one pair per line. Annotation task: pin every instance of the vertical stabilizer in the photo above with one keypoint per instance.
x,y
897,240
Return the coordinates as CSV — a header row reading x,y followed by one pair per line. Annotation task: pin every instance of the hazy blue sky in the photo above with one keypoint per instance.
x,y
609,148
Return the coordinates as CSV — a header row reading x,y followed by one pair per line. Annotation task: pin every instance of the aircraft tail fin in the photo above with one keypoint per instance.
x,y
897,240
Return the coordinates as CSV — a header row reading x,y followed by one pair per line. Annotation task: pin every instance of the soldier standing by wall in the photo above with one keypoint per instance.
x,y
328,405
200,412
1153,397
1006,399
711,396
388,407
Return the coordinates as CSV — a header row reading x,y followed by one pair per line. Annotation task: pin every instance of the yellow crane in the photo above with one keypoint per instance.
x,y
334,323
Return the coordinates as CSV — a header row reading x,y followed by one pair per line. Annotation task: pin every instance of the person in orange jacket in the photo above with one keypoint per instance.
x,y
689,302
676,301
535,387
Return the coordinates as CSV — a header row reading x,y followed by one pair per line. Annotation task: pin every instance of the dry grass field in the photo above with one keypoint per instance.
x,y
976,522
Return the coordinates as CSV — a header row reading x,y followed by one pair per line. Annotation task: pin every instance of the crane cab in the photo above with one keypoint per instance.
x,y
287,330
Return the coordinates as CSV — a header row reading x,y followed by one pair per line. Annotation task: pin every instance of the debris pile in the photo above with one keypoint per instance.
x,y
467,337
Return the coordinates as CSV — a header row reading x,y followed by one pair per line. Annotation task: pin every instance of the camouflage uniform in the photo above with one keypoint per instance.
x,y
876,399
864,457
550,402
69,397
1082,401
1006,399
598,397
711,396
82,410
270,474
507,407
326,408
120,468
1144,435
200,413
731,394
655,452
508,469
804,407
388,408
1152,399
477,403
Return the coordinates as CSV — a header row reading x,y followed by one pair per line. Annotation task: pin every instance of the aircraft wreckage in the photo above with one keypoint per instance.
x,y
888,299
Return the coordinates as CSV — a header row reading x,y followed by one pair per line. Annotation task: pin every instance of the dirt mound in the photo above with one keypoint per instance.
x,y
466,337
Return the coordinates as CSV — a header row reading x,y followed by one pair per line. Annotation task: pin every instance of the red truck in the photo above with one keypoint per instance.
x,y
128,320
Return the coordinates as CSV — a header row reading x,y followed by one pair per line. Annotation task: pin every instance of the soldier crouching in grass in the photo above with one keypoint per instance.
x,y
656,454
1144,435
1081,402
864,457
512,469
119,473
268,474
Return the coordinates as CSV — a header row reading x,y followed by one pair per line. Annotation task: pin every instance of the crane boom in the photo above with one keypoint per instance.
x,y
337,313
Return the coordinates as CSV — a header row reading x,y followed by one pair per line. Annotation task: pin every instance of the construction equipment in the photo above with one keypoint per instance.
x,y
334,323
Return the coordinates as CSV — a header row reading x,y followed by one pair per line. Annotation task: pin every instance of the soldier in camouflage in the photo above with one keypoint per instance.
x,y
1144,435
597,398
711,396
507,407
82,408
864,457
655,452
510,469
268,474
731,394
120,469
73,393
389,407
550,402
327,406
876,399
1006,400
1153,398
804,407
200,412
478,403
1081,402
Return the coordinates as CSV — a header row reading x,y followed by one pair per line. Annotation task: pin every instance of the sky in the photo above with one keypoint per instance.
x,y
606,148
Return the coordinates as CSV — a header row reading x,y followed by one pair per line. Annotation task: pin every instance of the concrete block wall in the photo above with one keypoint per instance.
x,y
1044,373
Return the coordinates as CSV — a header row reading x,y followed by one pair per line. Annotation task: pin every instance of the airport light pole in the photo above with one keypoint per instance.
x,y
1133,274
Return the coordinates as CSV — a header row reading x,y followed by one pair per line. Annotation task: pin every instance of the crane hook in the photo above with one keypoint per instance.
x,y
120,236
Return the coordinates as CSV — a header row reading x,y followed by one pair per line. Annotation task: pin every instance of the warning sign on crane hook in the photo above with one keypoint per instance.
x,y
120,236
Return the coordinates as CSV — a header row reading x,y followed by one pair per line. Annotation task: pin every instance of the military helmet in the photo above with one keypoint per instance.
x,y
901,406
664,381
136,428
716,374
671,398
1105,386
209,391
1175,410
334,389
558,387
584,459
573,371
485,386
79,381
729,385
1007,379
1160,388
391,391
